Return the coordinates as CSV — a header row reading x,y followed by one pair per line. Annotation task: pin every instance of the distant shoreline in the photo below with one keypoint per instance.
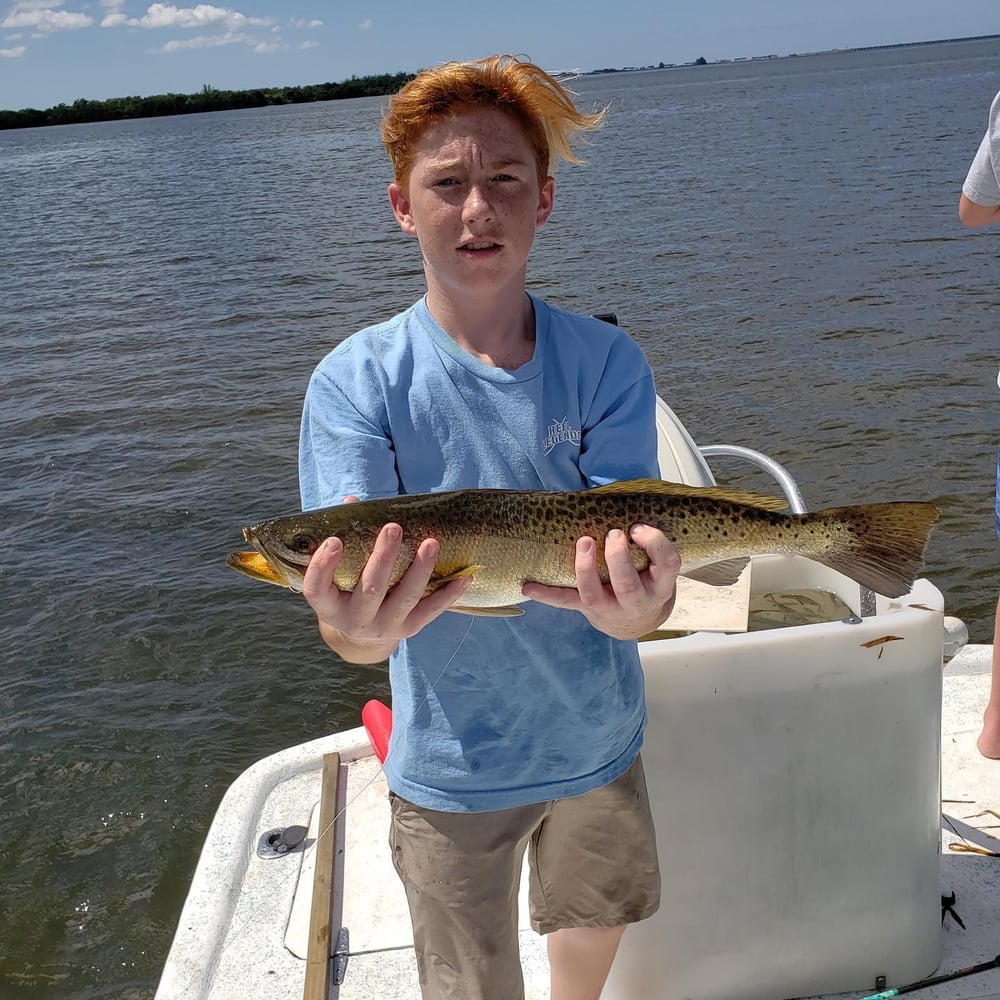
x,y
787,55
83,111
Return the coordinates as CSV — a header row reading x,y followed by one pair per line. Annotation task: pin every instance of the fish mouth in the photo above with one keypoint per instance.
x,y
264,565
255,565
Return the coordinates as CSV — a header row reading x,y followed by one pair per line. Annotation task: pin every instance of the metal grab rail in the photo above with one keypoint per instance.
x,y
789,487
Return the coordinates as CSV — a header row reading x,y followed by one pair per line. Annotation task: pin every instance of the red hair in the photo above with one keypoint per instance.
x,y
536,100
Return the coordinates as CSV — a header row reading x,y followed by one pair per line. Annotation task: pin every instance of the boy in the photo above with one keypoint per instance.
x,y
979,205
508,732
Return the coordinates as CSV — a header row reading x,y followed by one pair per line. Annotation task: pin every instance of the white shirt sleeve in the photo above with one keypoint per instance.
x,y
982,184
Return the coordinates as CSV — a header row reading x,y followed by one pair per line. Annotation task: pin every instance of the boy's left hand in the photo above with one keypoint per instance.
x,y
631,604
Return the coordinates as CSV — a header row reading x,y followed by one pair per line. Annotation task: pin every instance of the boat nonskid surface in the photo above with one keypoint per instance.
x,y
240,929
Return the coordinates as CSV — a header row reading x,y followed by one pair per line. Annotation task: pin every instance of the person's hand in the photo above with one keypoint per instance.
x,y
631,604
366,624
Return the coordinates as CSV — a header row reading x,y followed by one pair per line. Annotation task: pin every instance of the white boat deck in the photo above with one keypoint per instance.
x,y
259,909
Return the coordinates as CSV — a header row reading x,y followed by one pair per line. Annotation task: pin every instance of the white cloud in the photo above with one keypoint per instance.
x,y
116,13
35,5
203,15
217,41
41,15
366,24
208,42
215,25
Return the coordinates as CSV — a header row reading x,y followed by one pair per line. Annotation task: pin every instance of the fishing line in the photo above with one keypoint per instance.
x,y
322,833
381,768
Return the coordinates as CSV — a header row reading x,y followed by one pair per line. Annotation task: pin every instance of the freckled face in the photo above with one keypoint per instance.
x,y
473,201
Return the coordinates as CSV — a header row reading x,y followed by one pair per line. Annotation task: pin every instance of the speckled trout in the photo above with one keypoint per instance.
x,y
506,538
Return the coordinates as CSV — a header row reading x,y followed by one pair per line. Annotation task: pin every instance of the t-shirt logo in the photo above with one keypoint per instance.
x,y
561,432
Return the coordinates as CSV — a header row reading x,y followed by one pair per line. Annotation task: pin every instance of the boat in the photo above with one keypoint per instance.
x,y
823,816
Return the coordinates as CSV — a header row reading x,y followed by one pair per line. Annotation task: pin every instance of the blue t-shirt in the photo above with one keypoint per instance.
x,y
492,713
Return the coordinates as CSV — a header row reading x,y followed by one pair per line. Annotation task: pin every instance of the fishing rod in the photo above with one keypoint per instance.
x,y
993,963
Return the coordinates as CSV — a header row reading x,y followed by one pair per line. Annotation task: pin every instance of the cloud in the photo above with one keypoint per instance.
x,y
40,15
203,15
366,24
208,42
311,44
216,26
116,14
217,41
14,53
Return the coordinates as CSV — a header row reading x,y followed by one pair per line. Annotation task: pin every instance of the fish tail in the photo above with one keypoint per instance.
x,y
881,546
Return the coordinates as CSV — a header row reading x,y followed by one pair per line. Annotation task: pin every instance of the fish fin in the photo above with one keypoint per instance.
x,y
511,611
438,581
255,566
879,545
719,574
627,486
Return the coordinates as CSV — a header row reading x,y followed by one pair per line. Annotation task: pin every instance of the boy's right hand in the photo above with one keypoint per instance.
x,y
366,624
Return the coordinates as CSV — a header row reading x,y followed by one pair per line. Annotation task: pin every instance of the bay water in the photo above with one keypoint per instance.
x,y
780,236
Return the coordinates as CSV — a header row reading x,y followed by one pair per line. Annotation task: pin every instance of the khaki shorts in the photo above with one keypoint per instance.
x,y
592,862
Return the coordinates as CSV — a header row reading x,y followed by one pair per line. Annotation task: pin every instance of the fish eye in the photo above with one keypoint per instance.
x,y
302,543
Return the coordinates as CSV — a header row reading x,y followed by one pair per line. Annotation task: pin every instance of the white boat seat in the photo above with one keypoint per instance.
x,y
682,461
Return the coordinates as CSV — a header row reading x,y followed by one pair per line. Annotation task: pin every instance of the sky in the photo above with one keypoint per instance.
x,y
56,51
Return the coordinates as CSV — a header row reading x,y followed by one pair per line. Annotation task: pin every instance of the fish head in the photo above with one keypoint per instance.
x,y
283,547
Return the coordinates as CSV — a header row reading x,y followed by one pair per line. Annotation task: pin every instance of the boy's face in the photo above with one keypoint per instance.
x,y
474,201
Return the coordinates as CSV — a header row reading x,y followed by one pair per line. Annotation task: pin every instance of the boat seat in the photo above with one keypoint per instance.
x,y
680,459
683,461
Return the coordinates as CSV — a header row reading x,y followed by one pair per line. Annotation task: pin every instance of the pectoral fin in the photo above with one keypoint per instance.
x,y
719,574
437,582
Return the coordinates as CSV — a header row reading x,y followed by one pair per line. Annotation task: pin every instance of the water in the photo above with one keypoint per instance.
x,y
789,608
780,236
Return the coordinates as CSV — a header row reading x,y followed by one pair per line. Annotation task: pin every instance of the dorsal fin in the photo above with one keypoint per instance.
x,y
664,488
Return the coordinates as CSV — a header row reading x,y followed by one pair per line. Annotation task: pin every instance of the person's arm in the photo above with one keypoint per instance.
x,y
979,202
972,214
343,441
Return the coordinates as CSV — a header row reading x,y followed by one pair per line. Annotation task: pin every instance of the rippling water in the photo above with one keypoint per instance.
x,y
780,236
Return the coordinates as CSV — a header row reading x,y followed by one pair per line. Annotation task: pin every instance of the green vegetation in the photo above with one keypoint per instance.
x,y
208,99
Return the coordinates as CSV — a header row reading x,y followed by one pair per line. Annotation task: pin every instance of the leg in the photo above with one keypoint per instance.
x,y
580,959
461,873
989,738
593,871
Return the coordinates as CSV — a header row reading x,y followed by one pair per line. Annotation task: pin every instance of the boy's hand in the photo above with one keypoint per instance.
x,y
366,624
631,604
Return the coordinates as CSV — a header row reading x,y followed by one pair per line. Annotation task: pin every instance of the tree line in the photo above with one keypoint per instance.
x,y
208,99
